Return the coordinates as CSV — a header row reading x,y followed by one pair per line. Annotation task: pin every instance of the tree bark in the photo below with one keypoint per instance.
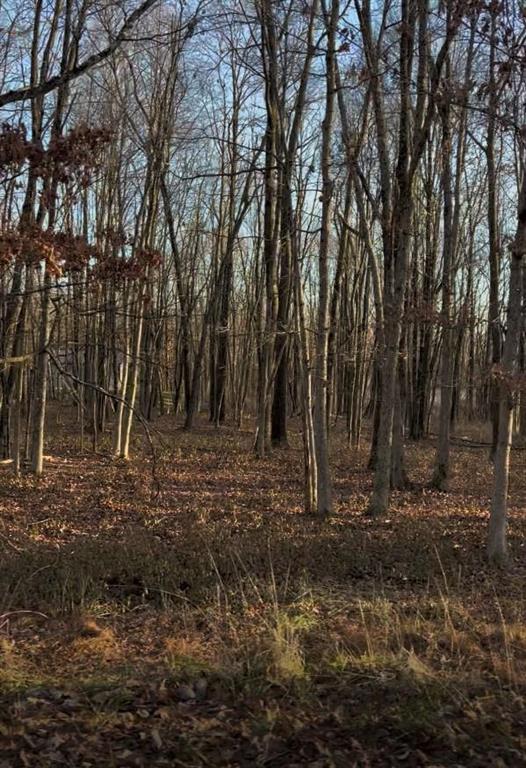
x,y
497,532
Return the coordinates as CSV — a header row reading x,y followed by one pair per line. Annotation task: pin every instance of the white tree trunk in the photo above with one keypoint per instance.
x,y
39,412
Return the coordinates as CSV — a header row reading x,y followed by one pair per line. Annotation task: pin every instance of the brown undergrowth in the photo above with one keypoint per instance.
x,y
215,625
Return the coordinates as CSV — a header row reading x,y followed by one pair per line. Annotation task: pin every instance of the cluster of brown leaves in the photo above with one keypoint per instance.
x,y
116,238
513,382
73,157
66,158
61,251
64,252
14,147
121,269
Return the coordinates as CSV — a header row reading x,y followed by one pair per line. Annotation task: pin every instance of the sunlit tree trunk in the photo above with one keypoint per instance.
x,y
497,533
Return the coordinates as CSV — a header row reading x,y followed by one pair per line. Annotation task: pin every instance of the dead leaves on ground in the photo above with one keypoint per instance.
x,y
218,626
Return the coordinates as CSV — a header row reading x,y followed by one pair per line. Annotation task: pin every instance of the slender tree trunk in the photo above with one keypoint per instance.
x,y
133,375
40,392
497,533
441,471
494,334
324,500
309,449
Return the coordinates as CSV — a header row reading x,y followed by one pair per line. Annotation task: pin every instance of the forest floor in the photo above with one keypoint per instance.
x,y
214,624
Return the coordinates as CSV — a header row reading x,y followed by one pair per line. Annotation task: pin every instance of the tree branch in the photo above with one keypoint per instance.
x,y
31,91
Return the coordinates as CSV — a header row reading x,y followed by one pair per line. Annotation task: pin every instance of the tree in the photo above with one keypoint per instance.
x,y
324,489
497,533
397,199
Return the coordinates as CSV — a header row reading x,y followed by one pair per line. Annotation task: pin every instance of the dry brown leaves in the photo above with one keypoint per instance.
x,y
218,626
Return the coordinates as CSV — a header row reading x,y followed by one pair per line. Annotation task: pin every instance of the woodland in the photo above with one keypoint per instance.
x,y
262,383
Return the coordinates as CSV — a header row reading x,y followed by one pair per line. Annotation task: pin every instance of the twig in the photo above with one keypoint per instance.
x,y
4,617
16,613
7,541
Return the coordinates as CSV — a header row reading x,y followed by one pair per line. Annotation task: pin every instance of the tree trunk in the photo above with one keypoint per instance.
x,y
324,501
497,533
40,394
